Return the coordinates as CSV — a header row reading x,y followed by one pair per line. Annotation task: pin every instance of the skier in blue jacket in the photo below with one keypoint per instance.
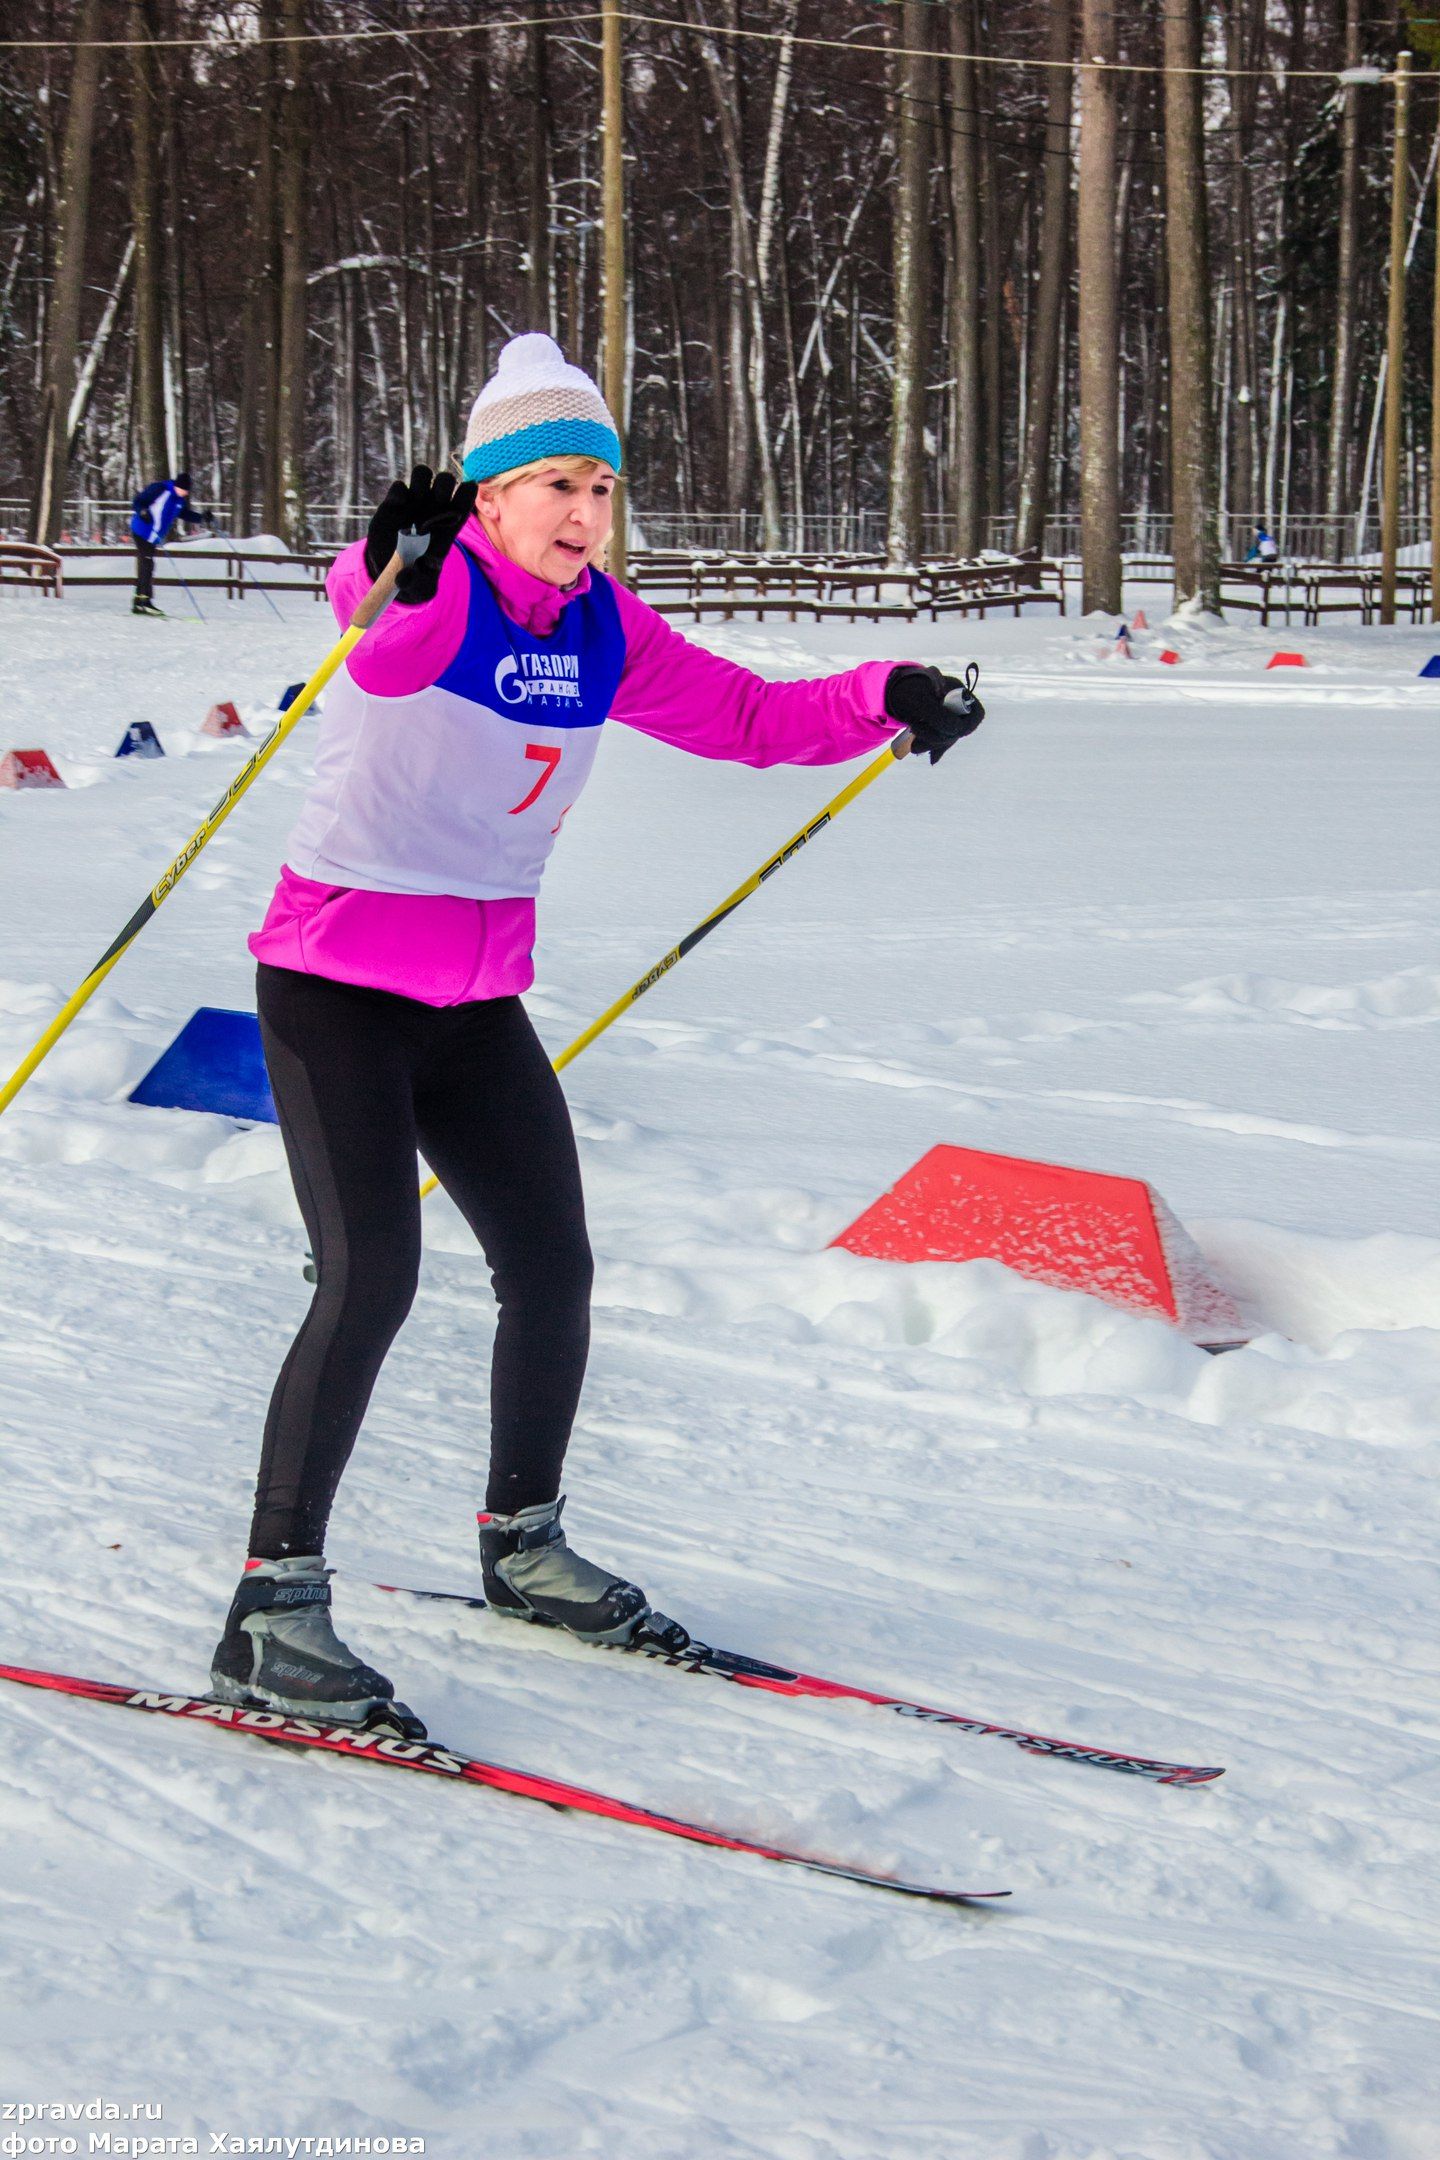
x,y
154,510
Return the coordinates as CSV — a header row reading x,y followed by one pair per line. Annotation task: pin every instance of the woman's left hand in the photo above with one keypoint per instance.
x,y
938,709
430,504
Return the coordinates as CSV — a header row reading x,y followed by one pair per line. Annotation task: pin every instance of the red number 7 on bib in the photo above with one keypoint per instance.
x,y
549,757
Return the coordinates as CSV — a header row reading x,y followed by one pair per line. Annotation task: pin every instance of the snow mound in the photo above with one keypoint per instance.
x,y
1405,996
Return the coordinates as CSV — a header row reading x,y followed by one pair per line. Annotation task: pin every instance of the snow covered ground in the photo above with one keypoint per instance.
x,y
1174,922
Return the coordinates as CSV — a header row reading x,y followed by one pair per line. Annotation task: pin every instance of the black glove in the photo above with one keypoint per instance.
x,y
429,505
938,709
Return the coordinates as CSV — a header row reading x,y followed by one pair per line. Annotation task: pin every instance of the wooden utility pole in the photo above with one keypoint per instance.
x,y
1099,320
1194,488
53,463
612,197
911,241
1395,347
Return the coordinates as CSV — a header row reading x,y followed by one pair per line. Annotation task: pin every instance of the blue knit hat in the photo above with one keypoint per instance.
x,y
534,406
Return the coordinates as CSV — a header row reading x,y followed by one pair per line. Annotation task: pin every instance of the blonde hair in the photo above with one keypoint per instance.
x,y
568,461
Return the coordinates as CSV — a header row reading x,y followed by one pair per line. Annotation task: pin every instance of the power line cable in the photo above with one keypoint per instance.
x,y
1277,72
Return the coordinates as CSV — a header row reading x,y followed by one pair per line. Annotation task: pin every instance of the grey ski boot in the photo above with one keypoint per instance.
x,y
532,1574
280,1651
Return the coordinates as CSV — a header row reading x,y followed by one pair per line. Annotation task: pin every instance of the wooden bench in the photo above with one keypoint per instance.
x,y
24,563
855,590
973,588
241,571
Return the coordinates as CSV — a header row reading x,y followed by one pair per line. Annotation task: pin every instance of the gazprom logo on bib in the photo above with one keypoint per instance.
x,y
530,677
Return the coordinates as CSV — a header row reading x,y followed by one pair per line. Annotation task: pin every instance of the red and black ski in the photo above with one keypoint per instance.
x,y
779,1680
352,1744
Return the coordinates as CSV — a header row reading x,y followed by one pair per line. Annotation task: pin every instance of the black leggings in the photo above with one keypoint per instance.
x,y
362,1078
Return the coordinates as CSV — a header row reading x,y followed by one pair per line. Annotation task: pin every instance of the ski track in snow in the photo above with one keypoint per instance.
x,y
1180,926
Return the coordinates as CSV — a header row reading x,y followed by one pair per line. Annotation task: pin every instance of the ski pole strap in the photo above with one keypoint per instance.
x,y
410,548
897,748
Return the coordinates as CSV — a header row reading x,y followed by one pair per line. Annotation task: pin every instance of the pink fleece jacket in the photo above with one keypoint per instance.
x,y
446,950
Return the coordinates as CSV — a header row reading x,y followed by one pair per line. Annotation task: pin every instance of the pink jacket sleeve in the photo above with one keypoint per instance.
x,y
684,695
410,647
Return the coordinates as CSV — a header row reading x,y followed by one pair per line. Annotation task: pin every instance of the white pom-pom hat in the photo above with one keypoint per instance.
x,y
536,405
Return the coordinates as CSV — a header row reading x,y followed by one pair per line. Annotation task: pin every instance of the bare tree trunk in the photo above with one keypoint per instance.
x,y
914,84
176,356
145,223
721,431
770,184
992,468
208,342
1054,264
1283,328
382,384
1342,380
792,377
616,288
1099,325
402,299
349,477
748,389
472,343
99,343
62,342
738,431
685,434
1192,450
538,308
255,415
437,421
294,251
966,492
1244,34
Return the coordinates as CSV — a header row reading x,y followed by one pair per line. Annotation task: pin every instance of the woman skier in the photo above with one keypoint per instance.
x,y
391,965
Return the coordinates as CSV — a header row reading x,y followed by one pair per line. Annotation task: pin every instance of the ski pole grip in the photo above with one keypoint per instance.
x,y
409,547
902,744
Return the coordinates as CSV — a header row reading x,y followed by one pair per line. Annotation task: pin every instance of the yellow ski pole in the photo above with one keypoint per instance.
x,y
410,547
896,749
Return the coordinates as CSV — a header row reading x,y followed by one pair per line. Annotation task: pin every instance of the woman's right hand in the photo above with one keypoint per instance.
x,y
939,710
427,503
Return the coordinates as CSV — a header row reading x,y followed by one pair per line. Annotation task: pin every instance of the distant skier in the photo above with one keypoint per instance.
x,y
1263,549
391,964
153,512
